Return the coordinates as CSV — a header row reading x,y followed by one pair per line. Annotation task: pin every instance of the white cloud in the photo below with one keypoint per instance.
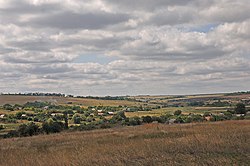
x,y
156,47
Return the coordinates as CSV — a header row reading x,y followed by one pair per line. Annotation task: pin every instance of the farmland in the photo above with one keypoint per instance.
x,y
99,112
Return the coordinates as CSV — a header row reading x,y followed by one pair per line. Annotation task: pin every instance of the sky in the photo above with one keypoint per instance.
x,y
124,47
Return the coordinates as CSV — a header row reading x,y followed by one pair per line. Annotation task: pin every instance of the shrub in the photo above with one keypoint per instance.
x,y
147,119
206,114
28,130
177,112
1,127
8,107
228,115
12,133
179,120
134,121
52,127
86,127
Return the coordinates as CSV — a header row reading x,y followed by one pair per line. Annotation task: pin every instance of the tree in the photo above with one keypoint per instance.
x,y
119,116
177,112
52,127
28,130
147,119
240,108
19,115
66,123
77,119
8,107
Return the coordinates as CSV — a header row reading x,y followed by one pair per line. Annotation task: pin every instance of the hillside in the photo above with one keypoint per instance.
x,y
18,99
218,143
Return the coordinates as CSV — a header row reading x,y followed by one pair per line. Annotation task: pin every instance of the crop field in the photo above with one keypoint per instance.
x,y
185,110
218,143
15,99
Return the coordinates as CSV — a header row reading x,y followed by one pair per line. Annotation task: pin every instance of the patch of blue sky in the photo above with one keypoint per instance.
x,y
94,58
203,28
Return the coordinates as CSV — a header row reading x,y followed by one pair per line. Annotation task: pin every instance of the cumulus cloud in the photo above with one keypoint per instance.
x,y
147,46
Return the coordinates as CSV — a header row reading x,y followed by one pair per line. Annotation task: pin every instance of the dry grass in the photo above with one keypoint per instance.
x,y
222,143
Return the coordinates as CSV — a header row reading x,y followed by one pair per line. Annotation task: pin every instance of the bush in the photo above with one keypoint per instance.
x,y
206,114
177,112
19,114
8,107
179,120
147,119
228,115
1,127
86,127
28,130
217,118
134,121
52,127
12,133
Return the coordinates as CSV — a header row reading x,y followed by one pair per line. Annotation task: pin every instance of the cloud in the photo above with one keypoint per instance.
x,y
69,20
146,46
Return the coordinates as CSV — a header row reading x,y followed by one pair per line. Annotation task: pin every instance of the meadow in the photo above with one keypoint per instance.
x,y
208,143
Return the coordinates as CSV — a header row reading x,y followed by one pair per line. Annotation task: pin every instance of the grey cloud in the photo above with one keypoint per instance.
x,y
166,17
37,57
17,7
157,46
145,4
69,20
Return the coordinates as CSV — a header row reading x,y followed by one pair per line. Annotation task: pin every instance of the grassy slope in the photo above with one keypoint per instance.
x,y
221,143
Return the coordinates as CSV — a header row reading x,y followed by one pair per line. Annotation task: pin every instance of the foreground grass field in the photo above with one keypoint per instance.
x,y
218,143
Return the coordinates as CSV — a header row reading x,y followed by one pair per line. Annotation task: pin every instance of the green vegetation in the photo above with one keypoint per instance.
x,y
51,118
240,108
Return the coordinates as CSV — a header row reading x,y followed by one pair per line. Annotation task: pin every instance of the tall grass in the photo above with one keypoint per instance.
x,y
220,143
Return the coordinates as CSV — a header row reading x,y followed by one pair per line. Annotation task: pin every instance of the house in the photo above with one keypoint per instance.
x,y
171,121
100,113
57,114
208,118
240,115
111,113
2,116
46,107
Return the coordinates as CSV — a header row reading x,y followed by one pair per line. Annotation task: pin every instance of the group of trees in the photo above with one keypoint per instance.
x,y
32,128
